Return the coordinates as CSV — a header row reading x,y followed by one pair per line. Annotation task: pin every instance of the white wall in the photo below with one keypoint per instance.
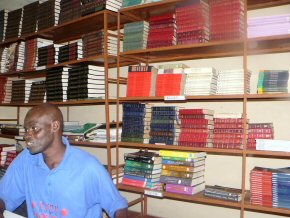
x,y
221,170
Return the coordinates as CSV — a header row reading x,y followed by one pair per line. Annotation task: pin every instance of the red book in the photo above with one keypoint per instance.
x,y
170,84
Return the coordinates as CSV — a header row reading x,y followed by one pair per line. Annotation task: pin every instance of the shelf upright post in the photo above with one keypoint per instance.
x,y
245,66
107,109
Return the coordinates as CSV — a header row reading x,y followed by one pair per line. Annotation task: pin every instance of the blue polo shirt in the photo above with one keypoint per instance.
x,y
79,187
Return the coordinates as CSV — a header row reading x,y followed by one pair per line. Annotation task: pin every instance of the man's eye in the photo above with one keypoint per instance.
x,y
34,128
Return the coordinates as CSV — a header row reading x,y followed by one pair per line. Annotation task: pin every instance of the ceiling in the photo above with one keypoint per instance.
x,y
13,4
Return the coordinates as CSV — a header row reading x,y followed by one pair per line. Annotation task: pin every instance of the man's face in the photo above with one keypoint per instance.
x,y
38,132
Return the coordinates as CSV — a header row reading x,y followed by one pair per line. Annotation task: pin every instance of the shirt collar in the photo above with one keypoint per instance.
x,y
40,161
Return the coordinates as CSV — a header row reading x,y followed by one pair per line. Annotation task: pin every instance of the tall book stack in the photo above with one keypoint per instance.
x,y
37,92
56,84
30,18
71,51
261,186
14,24
86,82
94,43
141,81
226,19
192,22
135,35
170,80
268,25
69,10
164,125
91,6
228,132
11,58
31,52
135,123
20,91
99,134
273,81
3,58
142,169
182,172
281,188
20,55
3,81
196,127
3,24
232,82
259,131
162,30
7,87
200,81
48,14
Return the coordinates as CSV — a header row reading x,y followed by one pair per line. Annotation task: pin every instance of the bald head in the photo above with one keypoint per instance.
x,y
51,111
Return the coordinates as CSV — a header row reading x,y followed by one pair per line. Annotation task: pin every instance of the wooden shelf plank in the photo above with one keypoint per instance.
x,y
259,4
182,148
92,144
197,198
272,154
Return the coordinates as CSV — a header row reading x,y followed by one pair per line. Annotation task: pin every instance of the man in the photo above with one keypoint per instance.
x,y
55,179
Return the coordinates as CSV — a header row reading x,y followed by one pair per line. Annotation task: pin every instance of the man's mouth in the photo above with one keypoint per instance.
x,y
29,144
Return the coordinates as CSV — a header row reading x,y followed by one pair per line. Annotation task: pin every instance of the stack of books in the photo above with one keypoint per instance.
x,y
200,81
7,87
116,172
7,154
136,123
38,92
71,51
162,31
3,58
170,80
228,132
56,84
21,91
86,82
135,35
30,12
259,131
261,186
94,43
47,55
31,58
99,134
192,22
74,131
69,10
196,127
273,81
223,193
3,24
182,172
20,55
48,14
3,81
2,171
164,125
226,19
14,24
142,169
141,81
232,82
11,58
268,25
92,6
281,188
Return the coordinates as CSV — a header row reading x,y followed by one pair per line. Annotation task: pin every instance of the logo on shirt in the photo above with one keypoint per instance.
x,y
48,210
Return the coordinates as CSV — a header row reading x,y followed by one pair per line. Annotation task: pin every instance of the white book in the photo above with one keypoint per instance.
x,y
272,145
8,214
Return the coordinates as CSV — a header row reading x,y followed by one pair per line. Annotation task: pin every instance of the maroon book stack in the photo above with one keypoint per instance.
x,y
226,19
259,131
3,81
196,127
192,22
261,186
162,30
228,133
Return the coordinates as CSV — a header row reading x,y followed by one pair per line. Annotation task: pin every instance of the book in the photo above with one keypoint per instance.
x,y
183,154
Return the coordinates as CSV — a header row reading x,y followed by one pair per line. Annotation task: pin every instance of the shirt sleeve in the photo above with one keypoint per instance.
x,y
12,187
103,191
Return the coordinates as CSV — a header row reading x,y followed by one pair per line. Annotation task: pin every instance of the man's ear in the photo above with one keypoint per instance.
x,y
55,126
